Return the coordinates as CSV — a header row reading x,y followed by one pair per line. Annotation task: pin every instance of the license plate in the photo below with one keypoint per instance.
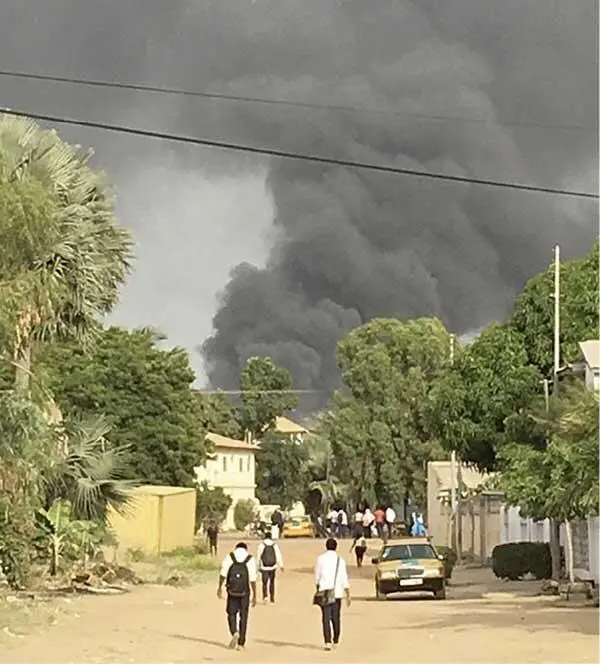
x,y
411,582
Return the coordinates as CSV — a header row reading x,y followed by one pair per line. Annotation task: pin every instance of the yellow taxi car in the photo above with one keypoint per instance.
x,y
299,526
407,565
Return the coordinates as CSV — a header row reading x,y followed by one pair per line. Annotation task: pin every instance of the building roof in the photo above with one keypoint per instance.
x,y
159,490
471,478
591,352
222,442
285,425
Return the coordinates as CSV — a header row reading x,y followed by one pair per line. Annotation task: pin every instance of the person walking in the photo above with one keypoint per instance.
x,y
380,522
331,578
212,535
390,519
277,521
360,548
269,559
367,522
238,575
342,519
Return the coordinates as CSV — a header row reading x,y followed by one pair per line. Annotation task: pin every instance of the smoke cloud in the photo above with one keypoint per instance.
x,y
347,244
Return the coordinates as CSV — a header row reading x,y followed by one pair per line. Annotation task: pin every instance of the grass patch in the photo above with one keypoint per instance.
x,y
180,567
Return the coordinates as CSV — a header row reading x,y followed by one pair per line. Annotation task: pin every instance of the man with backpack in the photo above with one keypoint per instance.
x,y
269,559
238,574
277,521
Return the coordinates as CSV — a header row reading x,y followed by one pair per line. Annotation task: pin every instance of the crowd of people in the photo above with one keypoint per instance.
x,y
240,571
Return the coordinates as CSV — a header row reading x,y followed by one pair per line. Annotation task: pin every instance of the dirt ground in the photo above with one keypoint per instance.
x,y
483,620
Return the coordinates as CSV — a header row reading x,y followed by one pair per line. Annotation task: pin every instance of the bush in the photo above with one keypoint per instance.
x,y
516,559
243,513
450,559
211,505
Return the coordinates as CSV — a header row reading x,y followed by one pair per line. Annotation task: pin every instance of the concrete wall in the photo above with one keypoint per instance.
x,y
177,520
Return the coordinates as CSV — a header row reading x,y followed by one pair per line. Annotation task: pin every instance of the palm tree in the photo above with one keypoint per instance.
x,y
62,255
86,471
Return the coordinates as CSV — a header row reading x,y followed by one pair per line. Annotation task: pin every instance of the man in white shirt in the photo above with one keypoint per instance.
x,y
368,521
331,573
269,559
390,519
331,521
238,574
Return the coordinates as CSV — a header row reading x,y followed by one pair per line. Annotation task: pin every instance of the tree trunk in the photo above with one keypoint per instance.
x,y
569,552
555,548
23,368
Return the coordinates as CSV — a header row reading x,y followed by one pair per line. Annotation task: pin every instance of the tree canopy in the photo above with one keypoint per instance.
x,y
145,393
377,424
265,395
218,415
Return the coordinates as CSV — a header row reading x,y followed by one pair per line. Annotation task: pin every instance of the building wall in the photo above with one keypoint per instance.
x,y
138,528
177,520
592,378
234,471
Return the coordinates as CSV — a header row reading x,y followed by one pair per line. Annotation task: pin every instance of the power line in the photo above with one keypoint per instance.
x,y
236,392
297,156
367,110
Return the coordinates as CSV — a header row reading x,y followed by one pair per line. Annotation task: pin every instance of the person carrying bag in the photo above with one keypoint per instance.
x,y
331,577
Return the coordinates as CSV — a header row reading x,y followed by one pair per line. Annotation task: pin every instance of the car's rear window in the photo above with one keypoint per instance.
x,y
408,551
300,520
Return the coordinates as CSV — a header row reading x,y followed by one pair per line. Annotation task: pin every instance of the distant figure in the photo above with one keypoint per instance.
x,y
418,528
238,574
342,519
212,535
331,577
380,522
277,521
360,548
269,559
367,521
331,521
390,519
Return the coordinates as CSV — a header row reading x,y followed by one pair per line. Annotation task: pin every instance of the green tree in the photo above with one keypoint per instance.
x,y
378,425
244,512
281,471
470,401
62,255
533,316
145,393
561,481
265,395
211,505
218,415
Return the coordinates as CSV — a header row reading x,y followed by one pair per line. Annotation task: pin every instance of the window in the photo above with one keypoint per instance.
x,y
241,465
249,463
408,551
224,464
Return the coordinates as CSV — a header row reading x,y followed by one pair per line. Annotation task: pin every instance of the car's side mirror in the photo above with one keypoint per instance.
x,y
374,561
441,556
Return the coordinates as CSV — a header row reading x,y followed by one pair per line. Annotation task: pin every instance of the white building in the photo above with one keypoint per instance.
x,y
289,428
232,468
590,350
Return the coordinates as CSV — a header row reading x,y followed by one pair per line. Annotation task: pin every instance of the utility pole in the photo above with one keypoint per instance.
x,y
454,515
555,525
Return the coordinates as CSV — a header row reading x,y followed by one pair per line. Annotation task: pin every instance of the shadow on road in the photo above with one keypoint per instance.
x,y
288,644
197,639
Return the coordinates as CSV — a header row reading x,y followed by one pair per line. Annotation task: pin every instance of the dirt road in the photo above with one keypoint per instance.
x,y
483,620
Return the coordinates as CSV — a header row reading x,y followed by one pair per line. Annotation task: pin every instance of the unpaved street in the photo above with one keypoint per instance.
x,y
483,620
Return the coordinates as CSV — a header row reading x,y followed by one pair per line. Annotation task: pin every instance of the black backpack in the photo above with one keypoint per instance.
x,y
268,557
340,518
238,579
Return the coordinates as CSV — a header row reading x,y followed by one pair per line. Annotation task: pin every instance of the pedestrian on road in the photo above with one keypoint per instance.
x,y
277,521
269,559
212,535
380,522
238,574
390,519
367,521
360,548
331,578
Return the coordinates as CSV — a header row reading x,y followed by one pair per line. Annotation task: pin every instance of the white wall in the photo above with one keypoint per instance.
x,y
516,529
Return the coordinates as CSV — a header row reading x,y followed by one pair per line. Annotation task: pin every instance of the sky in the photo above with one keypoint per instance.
x,y
238,256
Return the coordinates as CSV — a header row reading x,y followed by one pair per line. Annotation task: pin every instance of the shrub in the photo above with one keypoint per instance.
x,y
516,559
211,505
450,559
243,513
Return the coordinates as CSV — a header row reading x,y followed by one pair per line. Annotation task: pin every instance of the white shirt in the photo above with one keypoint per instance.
x,y
368,518
358,517
278,556
240,556
390,515
344,516
332,516
325,573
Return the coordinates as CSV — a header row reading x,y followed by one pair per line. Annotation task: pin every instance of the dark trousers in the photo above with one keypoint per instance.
x,y
237,616
331,618
380,529
268,584
212,546
360,554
